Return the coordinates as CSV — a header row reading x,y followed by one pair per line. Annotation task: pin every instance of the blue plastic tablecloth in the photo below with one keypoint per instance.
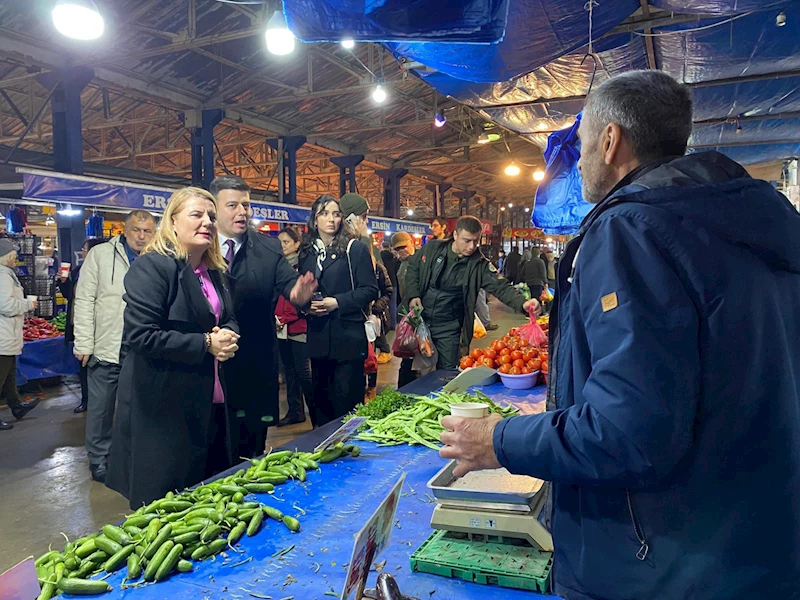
x,y
45,358
332,506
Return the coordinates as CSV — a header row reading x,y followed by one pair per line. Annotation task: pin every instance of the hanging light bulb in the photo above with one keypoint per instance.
x,y
510,205
502,208
538,175
410,212
348,43
439,120
527,209
280,41
512,170
78,19
49,221
483,139
379,94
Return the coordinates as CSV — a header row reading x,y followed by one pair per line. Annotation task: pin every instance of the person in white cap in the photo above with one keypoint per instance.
x,y
13,306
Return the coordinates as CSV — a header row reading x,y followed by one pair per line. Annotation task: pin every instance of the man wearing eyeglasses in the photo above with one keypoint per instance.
x,y
403,247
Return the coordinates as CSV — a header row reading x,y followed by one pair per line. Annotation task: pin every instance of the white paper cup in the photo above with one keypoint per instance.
x,y
470,410
32,297
64,270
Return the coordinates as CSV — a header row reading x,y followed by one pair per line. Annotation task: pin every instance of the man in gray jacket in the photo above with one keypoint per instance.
x,y
98,329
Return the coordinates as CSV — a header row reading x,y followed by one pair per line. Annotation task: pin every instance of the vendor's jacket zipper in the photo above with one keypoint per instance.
x,y
643,547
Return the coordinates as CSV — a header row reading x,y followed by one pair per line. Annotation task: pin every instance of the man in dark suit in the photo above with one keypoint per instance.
x,y
260,273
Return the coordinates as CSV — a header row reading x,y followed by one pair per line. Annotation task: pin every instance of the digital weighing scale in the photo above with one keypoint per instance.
x,y
487,513
487,535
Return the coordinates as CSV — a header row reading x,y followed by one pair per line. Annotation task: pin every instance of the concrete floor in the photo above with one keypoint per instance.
x,y
46,486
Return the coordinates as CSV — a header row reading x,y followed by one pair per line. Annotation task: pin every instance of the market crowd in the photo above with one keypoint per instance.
x,y
180,327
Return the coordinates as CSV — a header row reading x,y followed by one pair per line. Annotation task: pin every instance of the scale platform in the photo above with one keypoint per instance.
x,y
487,530
487,511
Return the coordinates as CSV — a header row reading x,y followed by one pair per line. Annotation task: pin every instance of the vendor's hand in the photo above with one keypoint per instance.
x,y
469,441
537,307
34,304
416,305
303,289
83,358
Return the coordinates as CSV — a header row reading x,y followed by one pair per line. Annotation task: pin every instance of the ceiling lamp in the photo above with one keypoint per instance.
x,y
549,240
348,43
49,221
538,175
527,209
280,41
510,205
439,120
502,208
512,170
68,211
78,19
483,139
410,212
379,94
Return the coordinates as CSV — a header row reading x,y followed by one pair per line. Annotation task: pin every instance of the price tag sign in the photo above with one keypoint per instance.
x,y
371,541
344,433
20,582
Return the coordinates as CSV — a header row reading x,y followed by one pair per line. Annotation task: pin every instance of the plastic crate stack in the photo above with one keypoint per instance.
x,y
35,284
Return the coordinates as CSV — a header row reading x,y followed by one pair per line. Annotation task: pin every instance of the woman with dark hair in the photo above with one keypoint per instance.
x,y
292,338
66,285
337,342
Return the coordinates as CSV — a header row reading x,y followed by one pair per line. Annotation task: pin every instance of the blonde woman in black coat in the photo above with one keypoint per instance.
x,y
172,427
337,343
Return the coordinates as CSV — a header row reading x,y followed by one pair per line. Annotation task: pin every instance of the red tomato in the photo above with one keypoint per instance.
x,y
477,354
490,353
505,359
514,345
505,369
516,371
467,362
487,362
545,367
512,331
535,364
534,353
519,363
516,354
505,352
501,345
526,370
523,343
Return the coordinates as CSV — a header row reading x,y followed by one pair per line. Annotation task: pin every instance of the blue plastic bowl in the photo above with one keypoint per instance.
x,y
520,382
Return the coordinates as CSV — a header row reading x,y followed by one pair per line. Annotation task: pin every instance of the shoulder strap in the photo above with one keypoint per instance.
x,y
350,266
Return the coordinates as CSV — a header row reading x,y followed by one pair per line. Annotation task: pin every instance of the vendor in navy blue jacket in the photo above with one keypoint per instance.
x,y
673,432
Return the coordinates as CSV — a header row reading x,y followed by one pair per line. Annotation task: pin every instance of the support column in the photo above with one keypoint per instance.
x,y
464,196
201,125
347,171
391,190
438,192
287,148
66,107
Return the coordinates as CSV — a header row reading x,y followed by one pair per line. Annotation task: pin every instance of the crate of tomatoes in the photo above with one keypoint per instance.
x,y
510,355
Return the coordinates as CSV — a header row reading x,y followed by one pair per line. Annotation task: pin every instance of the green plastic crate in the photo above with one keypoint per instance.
x,y
485,562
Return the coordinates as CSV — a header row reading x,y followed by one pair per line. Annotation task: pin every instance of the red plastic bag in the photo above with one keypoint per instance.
x,y
405,338
532,333
371,362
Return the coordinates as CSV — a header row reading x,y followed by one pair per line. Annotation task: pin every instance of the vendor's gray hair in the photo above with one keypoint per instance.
x,y
653,110
6,259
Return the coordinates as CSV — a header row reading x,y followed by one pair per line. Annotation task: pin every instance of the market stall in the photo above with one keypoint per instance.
x,y
331,506
45,358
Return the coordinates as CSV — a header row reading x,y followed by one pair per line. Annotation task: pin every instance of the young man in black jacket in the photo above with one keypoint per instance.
x,y
445,278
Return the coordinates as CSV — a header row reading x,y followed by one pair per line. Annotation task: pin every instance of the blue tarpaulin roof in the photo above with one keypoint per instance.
x,y
533,79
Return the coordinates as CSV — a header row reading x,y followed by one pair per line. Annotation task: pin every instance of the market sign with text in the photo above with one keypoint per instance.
x,y
60,188
487,226
528,233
